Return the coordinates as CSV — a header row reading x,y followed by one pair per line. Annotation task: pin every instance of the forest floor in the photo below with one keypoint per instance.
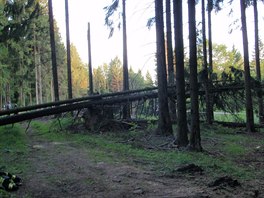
x,y
132,164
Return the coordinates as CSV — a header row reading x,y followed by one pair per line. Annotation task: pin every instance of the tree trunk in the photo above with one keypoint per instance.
x,y
210,54
68,44
40,78
36,69
126,110
164,124
53,53
52,91
1,100
90,61
260,99
171,79
205,68
182,138
195,138
249,106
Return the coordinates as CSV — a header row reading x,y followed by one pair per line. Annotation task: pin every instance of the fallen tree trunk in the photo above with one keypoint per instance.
x,y
71,107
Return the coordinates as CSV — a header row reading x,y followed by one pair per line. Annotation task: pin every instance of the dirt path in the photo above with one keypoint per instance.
x,y
66,170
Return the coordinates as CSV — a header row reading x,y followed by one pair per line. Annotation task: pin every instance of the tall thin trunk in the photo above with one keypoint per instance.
x,y
195,138
260,99
249,106
182,138
210,45
36,69
172,104
164,124
53,53
1,100
205,68
210,54
90,61
40,79
126,110
68,44
52,90
30,99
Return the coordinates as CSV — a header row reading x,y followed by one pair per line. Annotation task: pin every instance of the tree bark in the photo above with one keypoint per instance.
x,y
171,77
249,106
164,124
182,138
53,53
205,68
210,54
126,110
68,44
260,99
36,69
90,61
195,138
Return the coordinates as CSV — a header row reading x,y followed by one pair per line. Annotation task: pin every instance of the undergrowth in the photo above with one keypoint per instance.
x,y
113,147
223,148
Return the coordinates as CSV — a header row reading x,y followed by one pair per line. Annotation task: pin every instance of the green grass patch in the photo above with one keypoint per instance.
x,y
107,148
13,149
235,117
235,149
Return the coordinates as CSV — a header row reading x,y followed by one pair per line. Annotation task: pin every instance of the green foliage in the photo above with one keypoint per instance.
x,y
136,80
224,59
115,77
109,78
24,48
79,74
110,11
100,79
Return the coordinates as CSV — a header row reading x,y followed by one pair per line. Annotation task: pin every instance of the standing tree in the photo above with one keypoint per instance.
x,y
249,106
209,108
195,138
126,110
68,44
53,53
164,124
110,10
211,4
90,68
171,77
182,138
257,60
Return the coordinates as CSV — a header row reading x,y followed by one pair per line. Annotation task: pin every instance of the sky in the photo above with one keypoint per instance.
x,y
141,40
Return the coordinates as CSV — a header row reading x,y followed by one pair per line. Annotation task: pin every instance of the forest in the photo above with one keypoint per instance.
x,y
84,130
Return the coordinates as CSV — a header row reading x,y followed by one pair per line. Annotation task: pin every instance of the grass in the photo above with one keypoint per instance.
x,y
13,152
13,149
107,148
237,117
